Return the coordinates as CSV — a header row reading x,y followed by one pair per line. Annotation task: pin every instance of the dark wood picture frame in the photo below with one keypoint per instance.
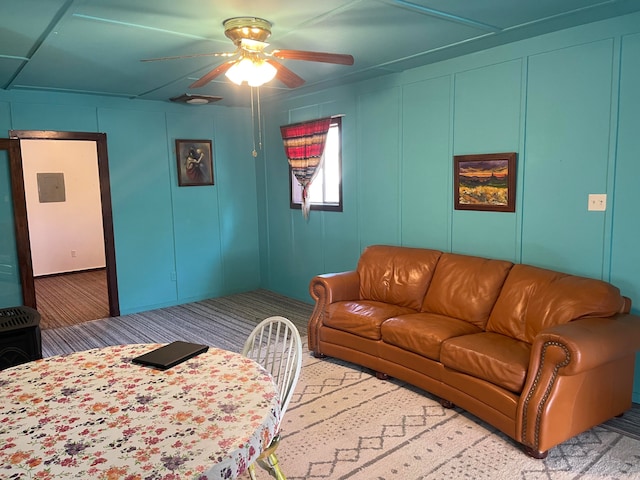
x,y
485,182
194,159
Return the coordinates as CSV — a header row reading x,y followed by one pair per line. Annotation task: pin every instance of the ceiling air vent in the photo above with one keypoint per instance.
x,y
196,99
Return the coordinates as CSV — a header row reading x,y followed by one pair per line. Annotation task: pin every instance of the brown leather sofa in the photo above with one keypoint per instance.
x,y
541,355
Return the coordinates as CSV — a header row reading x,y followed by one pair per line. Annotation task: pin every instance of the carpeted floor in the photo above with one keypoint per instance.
x,y
72,298
343,423
220,322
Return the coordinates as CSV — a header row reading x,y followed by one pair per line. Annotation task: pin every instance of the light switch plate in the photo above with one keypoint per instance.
x,y
597,202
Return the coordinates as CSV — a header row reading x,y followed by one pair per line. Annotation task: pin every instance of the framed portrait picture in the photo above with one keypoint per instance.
x,y
485,182
195,162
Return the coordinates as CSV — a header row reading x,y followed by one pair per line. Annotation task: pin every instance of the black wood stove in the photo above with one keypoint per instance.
x,y
20,339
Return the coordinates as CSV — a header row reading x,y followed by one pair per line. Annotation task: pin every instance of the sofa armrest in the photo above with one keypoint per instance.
x,y
592,342
335,287
582,369
326,289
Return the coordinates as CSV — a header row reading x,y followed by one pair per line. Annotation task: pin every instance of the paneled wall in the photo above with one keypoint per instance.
x,y
624,251
10,290
568,130
173,244
568,103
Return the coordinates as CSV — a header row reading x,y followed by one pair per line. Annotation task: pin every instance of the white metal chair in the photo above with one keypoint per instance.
x,y
276,345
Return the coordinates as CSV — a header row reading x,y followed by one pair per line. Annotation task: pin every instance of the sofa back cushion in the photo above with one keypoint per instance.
x,y
533,299
396,275
465,287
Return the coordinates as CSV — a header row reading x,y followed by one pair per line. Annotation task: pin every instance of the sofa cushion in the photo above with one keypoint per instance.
x,y
465,287
423,333
495,358
533,299
396,275
362,318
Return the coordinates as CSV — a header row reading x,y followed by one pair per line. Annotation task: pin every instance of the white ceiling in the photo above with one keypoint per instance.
x,y
95,46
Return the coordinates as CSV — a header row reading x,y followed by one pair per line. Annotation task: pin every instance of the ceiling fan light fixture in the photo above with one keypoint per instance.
x,y
252,64
254,28
254,72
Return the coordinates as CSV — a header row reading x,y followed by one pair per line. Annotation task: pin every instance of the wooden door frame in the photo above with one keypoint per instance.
x,y
23,243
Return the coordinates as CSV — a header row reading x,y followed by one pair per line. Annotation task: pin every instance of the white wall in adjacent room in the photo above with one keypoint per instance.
x,y
67,235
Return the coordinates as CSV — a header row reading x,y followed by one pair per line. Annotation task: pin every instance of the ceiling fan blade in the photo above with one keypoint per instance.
x,y
285,75
224,54
339,58
219,70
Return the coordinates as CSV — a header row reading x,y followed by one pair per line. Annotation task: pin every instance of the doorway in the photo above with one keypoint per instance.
x,y
21,221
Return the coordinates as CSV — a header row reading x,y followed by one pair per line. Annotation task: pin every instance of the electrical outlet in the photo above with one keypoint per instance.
x,y
597,202
73,253
172,276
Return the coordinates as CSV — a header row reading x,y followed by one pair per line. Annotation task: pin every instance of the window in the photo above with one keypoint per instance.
x,y
325,192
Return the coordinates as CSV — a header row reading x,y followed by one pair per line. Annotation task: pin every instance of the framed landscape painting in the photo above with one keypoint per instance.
x,y
485,182
195,162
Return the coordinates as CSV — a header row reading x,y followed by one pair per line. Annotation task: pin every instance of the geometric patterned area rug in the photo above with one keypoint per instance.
x,y
344,423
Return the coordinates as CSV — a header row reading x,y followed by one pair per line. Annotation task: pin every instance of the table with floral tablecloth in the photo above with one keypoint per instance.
x,y
95,414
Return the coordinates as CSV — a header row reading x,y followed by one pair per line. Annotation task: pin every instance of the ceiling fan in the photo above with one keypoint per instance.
x,y
252,63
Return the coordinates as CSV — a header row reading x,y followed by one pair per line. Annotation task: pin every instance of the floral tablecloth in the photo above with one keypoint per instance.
x,y
95,414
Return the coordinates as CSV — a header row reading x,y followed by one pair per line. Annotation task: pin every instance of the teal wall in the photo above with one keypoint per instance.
x,y
567,102
10,290
173,244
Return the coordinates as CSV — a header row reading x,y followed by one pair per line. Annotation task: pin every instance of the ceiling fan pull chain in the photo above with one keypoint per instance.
x,y
253,126
259,120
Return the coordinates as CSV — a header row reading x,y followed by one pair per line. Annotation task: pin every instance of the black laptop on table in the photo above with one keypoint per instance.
x,y
170,355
